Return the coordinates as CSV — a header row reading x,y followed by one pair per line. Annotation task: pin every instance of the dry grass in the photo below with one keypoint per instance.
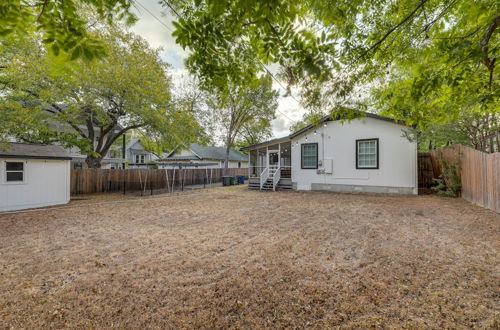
x,y
245,259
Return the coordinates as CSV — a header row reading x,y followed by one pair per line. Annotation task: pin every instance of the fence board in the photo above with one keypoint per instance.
x,y
480,174
88,181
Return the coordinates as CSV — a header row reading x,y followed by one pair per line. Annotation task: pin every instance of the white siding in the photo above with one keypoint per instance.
x,y
46,182
337,146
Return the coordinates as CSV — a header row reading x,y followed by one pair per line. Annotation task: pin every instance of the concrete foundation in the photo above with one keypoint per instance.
x,y
362,189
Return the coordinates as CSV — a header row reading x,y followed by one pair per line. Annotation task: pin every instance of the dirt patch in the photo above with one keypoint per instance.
x,y
246,259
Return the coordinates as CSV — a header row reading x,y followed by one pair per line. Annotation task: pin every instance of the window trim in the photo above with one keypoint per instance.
x,y
4,171
302,156
357,154
138,157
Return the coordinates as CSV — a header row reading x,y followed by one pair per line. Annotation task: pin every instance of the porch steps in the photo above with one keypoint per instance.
x,y
283,184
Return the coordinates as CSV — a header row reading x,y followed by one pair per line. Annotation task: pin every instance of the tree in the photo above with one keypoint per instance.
x,y
331,48
239,107
254,131
61,23
91,104
478,131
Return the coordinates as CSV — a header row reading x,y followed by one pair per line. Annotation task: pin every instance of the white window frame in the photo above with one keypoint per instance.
x,y
4,171
139,157
376,154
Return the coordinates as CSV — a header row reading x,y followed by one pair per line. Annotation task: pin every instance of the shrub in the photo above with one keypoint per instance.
x,y
449,182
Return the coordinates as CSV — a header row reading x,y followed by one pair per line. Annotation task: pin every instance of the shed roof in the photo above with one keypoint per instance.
x,y
35,151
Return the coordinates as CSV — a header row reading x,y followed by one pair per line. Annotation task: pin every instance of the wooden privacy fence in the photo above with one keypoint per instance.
x,y
88,181
480,174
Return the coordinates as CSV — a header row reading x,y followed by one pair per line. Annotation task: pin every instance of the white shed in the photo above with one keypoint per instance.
x,y
33,175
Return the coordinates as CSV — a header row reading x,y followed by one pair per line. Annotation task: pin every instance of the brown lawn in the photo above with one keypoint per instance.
x,y
246,259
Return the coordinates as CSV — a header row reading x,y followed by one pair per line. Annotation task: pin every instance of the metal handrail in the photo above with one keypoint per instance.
x,y
263,176
276,178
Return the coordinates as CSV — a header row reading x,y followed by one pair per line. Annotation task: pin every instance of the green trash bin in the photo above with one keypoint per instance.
x,y
227,180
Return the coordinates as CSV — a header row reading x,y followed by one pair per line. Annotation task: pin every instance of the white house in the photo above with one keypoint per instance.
x,y
135,153
33,175
368,154
207,156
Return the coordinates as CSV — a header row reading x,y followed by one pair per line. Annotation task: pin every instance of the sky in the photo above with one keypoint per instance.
x,y
158,32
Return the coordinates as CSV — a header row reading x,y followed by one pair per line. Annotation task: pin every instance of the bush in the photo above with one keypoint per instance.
x,y
449,182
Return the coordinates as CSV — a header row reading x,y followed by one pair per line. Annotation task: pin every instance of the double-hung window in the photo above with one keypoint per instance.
x,y
14,171
309,155
367,154
140,159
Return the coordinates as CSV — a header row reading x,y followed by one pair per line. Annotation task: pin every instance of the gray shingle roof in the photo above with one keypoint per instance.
x,y
205,152
34,151
182,158
214,153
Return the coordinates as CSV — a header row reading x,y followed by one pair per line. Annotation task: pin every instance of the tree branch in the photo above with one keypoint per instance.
x,y
391,30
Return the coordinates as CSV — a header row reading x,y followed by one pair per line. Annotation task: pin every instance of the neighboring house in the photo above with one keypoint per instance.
x,y
212,157
108,161
368,154
135,153
33,175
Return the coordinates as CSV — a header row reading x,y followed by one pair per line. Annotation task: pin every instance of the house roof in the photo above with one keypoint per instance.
x,y
35,151
183,158
322,120
207,152
273,141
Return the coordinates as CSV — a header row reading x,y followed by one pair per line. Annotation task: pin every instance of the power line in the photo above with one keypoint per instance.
x,y
154,16
256,59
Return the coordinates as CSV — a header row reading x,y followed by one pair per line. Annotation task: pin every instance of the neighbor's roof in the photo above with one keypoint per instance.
x,y
322,120
182,158
206,152
34,151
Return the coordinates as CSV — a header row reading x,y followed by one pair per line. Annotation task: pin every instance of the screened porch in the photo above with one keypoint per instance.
x,y
271,158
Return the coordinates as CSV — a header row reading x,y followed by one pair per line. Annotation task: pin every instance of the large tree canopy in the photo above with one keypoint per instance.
x,y
90,104
61,23
444,51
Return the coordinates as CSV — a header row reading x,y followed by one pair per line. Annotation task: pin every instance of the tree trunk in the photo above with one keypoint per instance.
x,y
226,158
93,162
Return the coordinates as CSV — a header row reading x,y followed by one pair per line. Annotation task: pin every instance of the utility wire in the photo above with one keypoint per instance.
x,y
154,16
256,59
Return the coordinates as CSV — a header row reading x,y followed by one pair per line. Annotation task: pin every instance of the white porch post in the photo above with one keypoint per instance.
x,y
267,157
279,154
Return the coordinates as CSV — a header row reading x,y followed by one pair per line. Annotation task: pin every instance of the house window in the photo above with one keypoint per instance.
x,y
239,164
14,171
309,158
367,154
140,159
